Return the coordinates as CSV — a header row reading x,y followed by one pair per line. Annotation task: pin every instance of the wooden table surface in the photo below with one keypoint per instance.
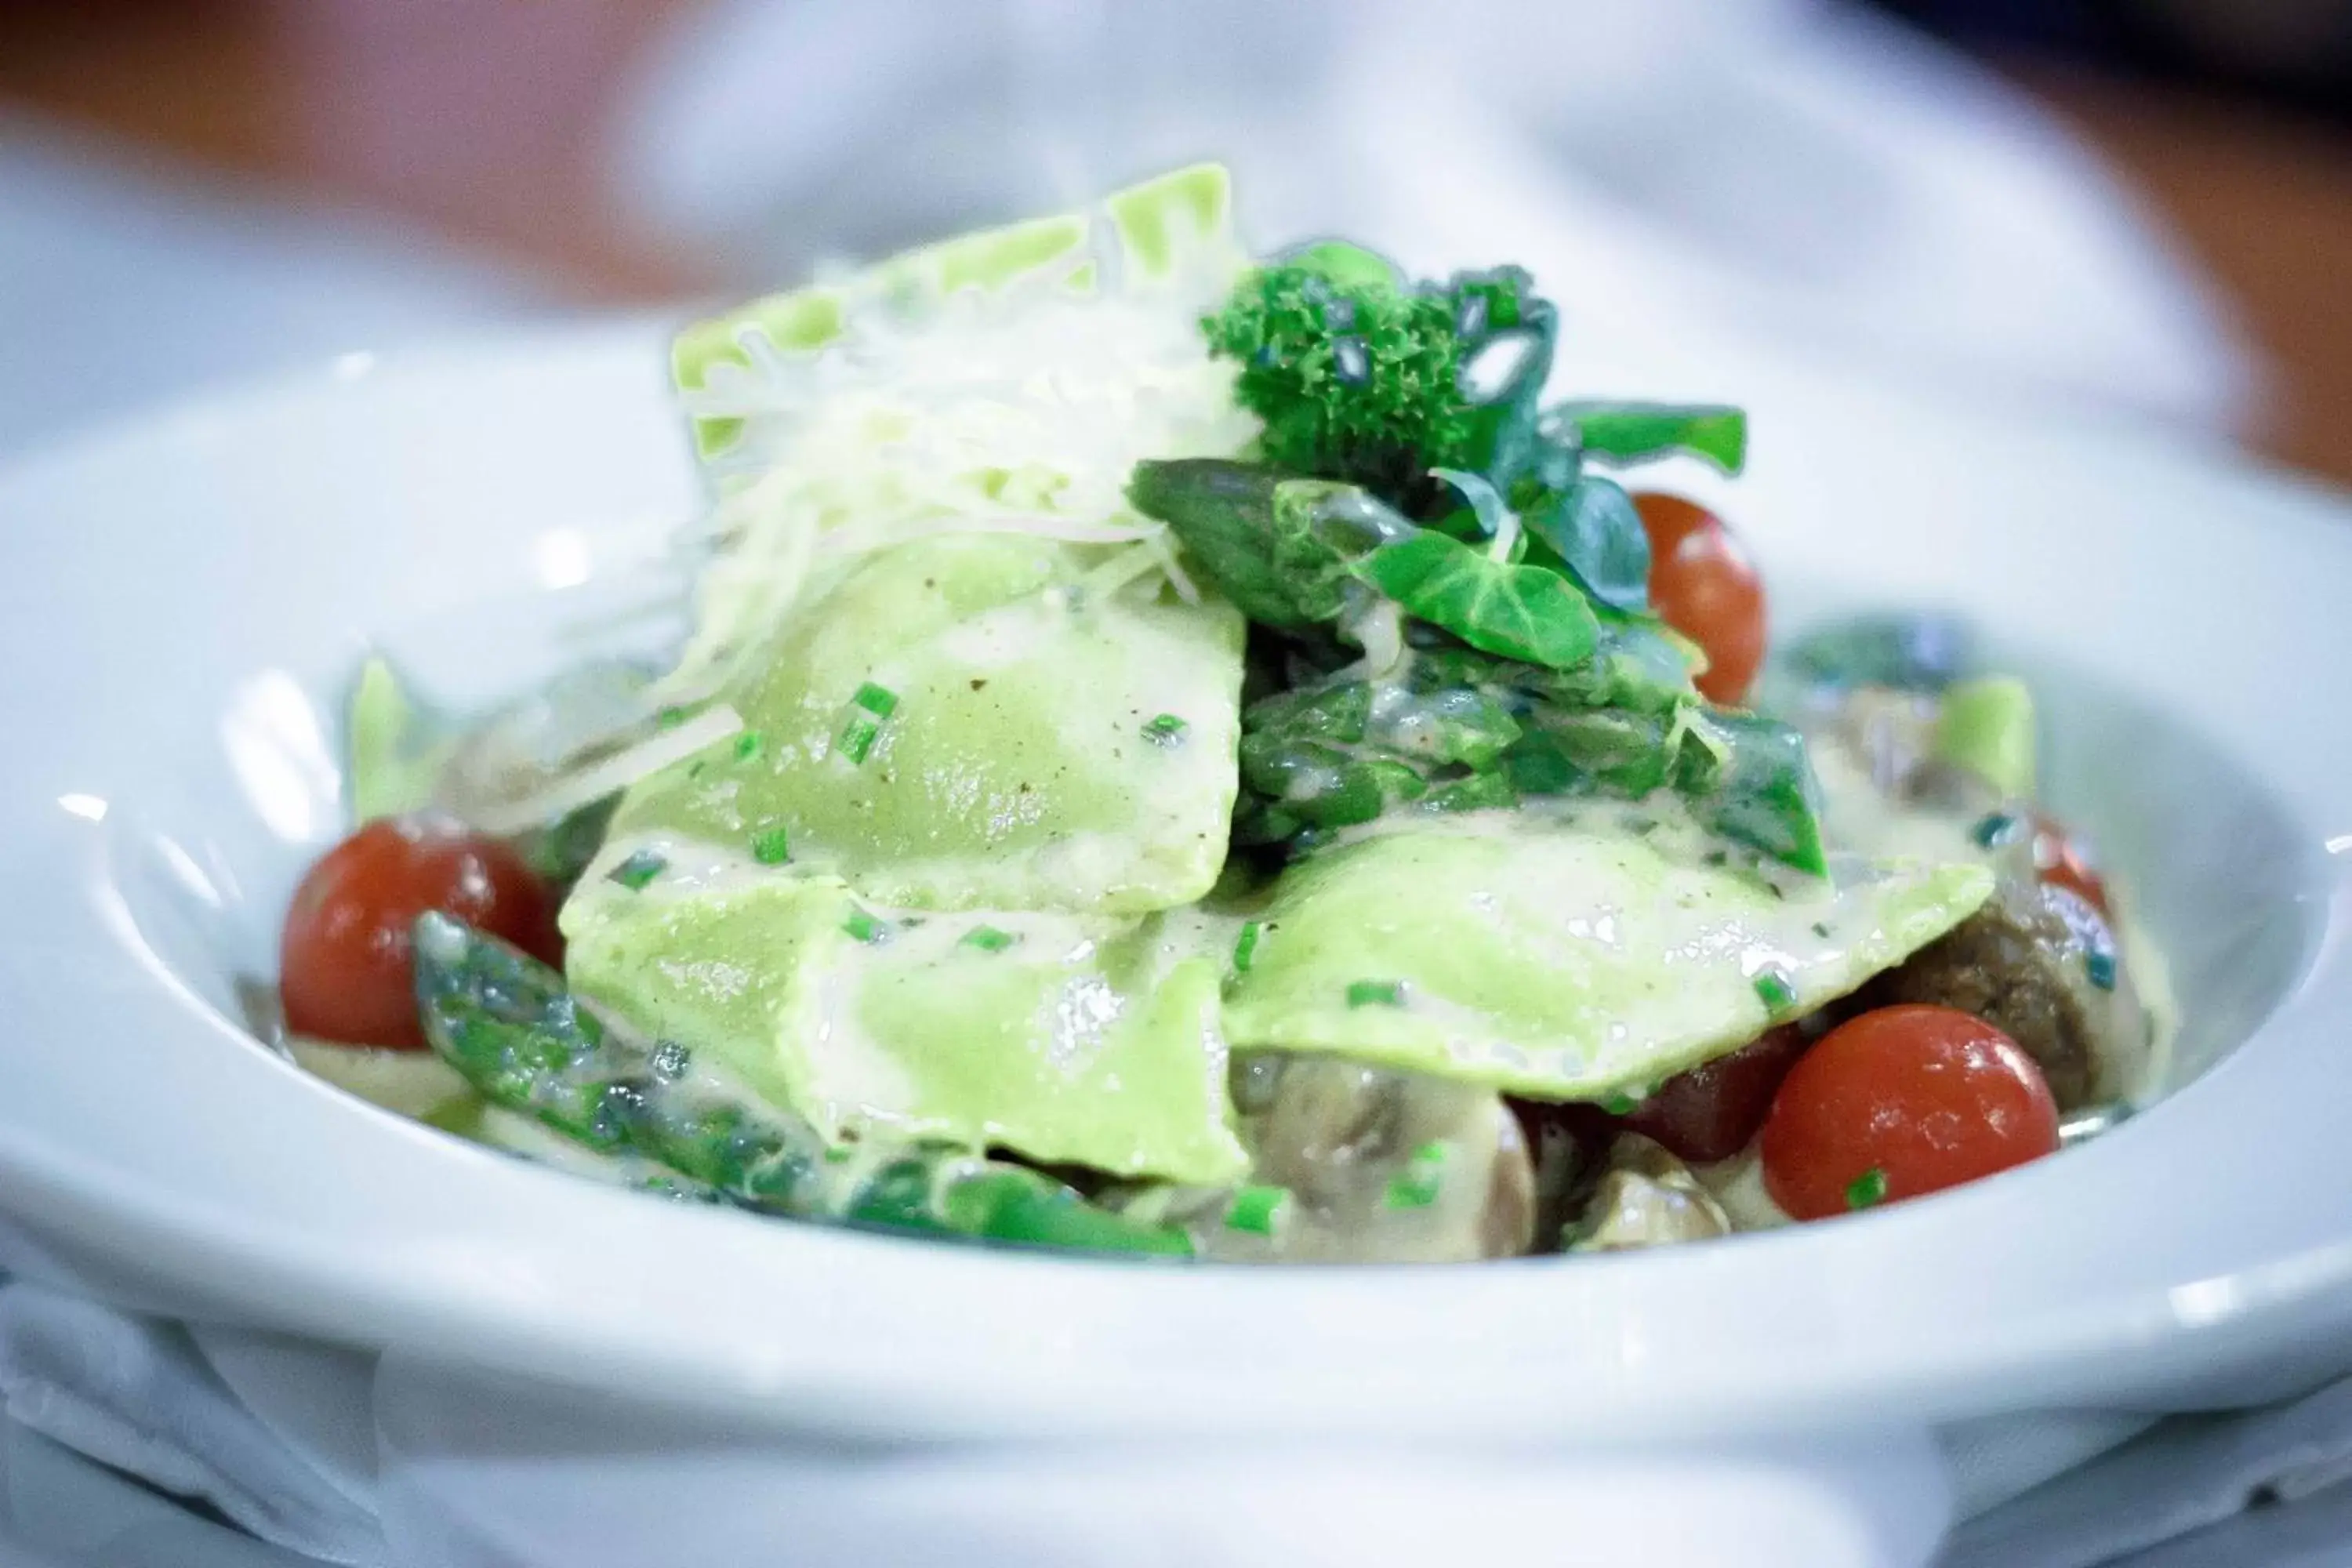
x,y
2264,204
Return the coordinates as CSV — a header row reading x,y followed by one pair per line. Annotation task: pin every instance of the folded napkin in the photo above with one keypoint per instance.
x,y
136,1394
469,1471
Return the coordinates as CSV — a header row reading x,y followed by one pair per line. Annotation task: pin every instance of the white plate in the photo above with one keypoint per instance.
x,y
181,598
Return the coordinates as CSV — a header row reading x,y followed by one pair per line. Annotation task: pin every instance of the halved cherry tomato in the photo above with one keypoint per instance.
x,y
1703,585
1710,1112
1900,1102
2060,861
345,971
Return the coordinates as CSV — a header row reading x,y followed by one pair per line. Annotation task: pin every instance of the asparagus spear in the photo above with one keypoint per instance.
x,y
511,1026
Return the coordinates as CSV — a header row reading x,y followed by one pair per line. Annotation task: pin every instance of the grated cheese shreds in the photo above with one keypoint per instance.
x,y
1004,383
582,785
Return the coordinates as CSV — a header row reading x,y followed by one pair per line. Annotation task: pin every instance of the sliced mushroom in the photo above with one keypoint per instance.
x,y
1377,1166
1646,1198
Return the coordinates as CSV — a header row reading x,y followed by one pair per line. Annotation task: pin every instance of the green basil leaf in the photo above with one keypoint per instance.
x,y
1637,432
1598,535
1524,613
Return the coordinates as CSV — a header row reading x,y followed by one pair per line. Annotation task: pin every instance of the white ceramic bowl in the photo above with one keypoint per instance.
x,y
184,595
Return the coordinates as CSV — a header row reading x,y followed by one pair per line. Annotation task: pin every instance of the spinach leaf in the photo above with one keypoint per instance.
x,y
1598,535
1525,612
1637,432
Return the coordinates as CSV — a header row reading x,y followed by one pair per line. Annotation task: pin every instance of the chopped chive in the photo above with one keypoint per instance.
x,y
1993,830
1376,993
857,737
1416,1187
839,1153
1245,947
748,745
1167,730
1255,1209
867,710
670,718
864,926
639,869
1867,1190
2100,965
988,938
1776,990
1822,929
1622,1104
772,846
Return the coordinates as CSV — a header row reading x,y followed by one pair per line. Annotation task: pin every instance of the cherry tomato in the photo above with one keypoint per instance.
x,y
2060,861
345,969
1900,1102
1703,585
1710,1112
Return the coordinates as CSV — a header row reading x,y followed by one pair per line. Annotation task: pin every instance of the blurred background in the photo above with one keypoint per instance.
x,y
2113,209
